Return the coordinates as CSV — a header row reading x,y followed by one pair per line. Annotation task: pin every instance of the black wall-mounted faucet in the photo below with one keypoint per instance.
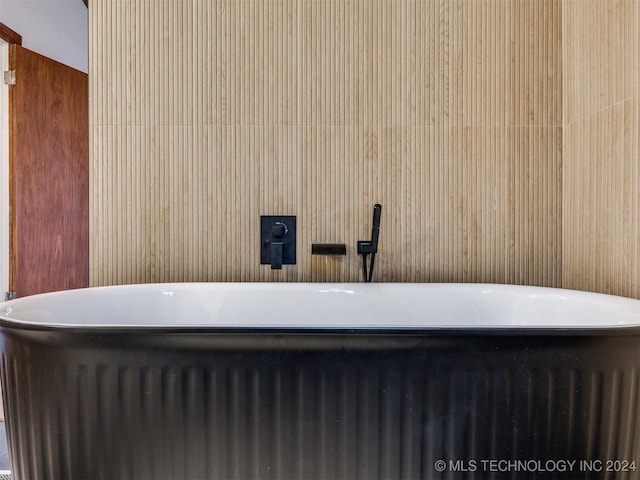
x,y
277,240
370,247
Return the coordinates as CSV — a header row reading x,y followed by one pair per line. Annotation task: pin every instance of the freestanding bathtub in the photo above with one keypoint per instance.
x,y
322,381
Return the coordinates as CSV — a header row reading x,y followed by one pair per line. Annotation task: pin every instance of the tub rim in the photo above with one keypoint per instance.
x,y
12,323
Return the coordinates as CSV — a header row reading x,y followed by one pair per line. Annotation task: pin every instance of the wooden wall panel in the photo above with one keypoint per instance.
x,y
206,114
601,55
601,242
48,175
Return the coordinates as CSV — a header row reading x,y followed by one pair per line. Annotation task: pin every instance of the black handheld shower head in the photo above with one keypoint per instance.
x,y
366,247
375,228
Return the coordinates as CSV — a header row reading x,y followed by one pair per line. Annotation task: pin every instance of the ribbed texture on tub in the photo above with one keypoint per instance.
x,y
309,421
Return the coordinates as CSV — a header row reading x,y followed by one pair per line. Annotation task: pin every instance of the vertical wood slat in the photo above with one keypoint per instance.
x,y
205,115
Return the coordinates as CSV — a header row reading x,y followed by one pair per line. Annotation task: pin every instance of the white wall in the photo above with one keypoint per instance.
x,y
57,29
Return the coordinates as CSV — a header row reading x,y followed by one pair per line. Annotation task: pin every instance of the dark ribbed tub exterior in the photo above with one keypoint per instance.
x,y
322,404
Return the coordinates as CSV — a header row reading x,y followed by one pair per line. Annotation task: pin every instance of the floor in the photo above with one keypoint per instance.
x,y
4,453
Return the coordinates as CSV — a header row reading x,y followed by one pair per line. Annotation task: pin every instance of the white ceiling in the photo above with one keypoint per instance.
x,y
55,28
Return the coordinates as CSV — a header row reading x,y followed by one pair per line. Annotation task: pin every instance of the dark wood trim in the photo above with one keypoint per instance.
x,y
86,2
9,35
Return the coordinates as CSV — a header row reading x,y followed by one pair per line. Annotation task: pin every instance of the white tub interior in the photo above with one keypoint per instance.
x,y
312,305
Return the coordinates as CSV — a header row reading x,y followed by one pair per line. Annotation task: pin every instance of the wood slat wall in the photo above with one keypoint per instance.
x,y
601,188
206,114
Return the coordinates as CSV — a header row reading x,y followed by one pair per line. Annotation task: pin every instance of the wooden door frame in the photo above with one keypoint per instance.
x,y
4,173
7,36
